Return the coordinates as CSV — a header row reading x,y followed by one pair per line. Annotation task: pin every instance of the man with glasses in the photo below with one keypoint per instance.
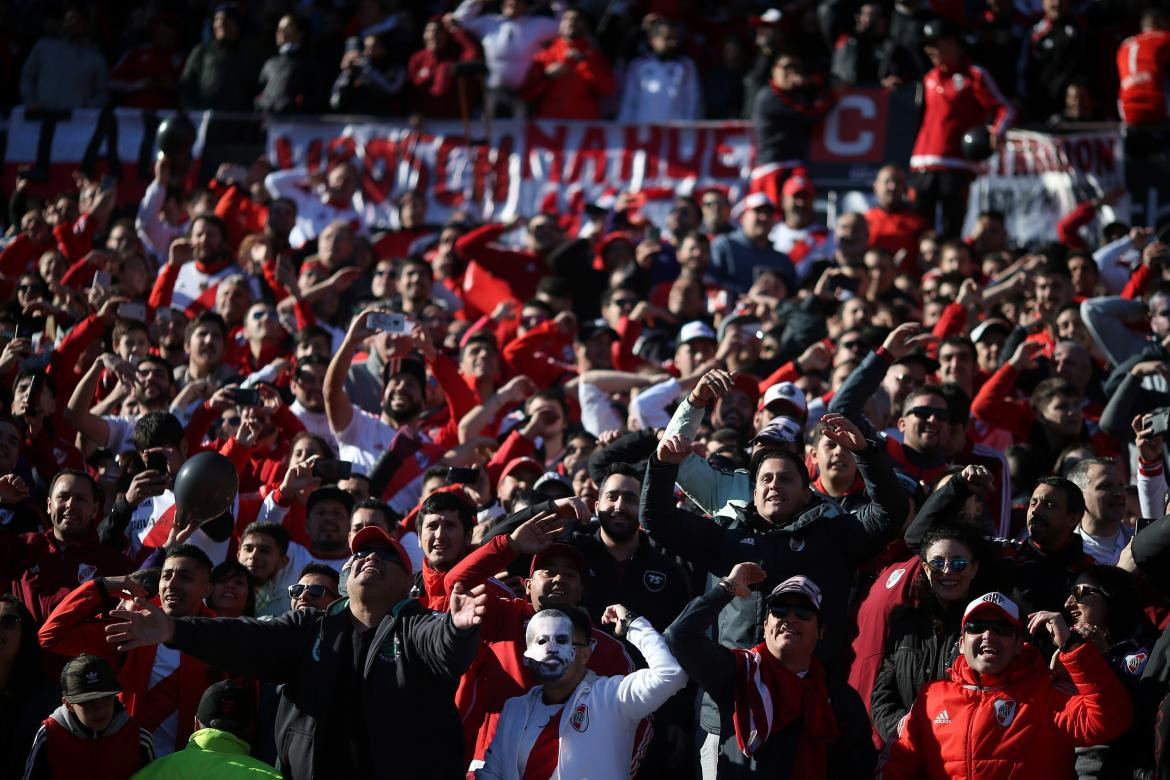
x,y
367,684
316,588
1001,705
779,713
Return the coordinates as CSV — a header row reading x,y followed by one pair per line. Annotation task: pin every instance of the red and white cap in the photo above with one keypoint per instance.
x,y
798,182
993,603
790,394
755,200
373,536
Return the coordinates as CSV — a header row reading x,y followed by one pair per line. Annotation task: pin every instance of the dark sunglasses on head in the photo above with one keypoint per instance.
x,y
9,621
941,564
997,627
781,611
927,412
314,591
1082,592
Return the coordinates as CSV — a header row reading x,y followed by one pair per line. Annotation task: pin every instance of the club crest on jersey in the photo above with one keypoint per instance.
x,y
654,581
894,578
1135,663
1005,712
580,718
85,573
958,81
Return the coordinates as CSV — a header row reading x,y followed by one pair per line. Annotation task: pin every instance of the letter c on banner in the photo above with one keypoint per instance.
x,y
857,142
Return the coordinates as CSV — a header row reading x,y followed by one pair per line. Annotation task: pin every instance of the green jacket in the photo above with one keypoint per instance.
x,y
209,753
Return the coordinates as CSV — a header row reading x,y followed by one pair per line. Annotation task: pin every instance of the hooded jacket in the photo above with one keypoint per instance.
x,y
64,748
1016,724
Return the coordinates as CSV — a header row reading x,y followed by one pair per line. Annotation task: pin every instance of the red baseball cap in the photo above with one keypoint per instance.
x,y
520,463
798,182
372,536
748,384
558,550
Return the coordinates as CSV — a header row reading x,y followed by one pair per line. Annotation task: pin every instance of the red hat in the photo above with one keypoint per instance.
x,y
748,384
374,536
519,463
558,550
798,182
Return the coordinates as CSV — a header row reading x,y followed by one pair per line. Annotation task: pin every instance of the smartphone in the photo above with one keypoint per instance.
x,y
26,328
246,396
102,280
389,322
332,470
156,461
462,476
353,43
653,234
132,311
1159,421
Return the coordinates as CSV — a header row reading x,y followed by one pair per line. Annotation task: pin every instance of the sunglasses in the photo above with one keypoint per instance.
x,y
9,621
781,611
1082,592
853,346
625,302
263,314
381,552
997,627
305,378
928,412
29,288
956,565
314,591
234,420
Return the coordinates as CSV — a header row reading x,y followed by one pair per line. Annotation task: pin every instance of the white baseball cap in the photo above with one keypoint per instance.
x,y
789,394
694,331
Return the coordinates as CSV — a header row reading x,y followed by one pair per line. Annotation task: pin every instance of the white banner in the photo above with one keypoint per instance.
x,y
1036,179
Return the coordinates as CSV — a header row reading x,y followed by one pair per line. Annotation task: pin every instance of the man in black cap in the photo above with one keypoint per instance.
x,y
91,734
368,685
220,745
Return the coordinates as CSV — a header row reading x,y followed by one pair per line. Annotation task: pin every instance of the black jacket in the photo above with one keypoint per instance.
x,y
397,720
649,583
713,668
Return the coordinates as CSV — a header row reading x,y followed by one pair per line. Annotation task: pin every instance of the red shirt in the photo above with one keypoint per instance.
x,y
956,101
575,94
895,231
1141,67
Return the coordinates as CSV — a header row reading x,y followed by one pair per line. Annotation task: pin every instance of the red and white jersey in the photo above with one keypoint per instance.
x,y
193,284
956,101
153,519
1141,67
802,245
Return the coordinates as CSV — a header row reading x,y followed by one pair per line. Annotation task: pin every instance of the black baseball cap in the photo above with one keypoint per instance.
x,y
587,330
330,493
227,706
88,677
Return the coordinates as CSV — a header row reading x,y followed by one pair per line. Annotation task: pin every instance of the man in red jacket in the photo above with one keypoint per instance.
x,y
959,96
1001,713
570,77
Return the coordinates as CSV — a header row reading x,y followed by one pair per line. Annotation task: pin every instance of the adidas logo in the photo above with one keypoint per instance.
x,y
942,717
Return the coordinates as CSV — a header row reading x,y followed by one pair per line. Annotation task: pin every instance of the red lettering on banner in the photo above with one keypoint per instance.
x,y
635,143
722,148
503,169
854,130
1106,155
593,147
313,155
380,157
443,193
539,143
678,167
341,150
284,152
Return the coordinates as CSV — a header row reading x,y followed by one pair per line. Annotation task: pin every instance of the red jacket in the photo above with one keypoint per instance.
x,y
575,94
432,74
22,253
895,231
1019,724
1141,66
956,101
518,269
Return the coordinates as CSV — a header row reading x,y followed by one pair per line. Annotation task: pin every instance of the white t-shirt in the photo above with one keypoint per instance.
x,y
121,431
364,440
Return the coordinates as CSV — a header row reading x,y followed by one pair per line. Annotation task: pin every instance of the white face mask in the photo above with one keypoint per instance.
x,y
549,646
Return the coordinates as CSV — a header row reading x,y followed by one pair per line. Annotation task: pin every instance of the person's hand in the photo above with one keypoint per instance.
x,y
645,252
148,483
536,534
539,424
648,313
505,310
619,617
124,587
1139,236
1149,446
816,357
566,323
1150,368
14,352
673,450
467,608
342,280
891,83
1026,355
249,431
969,296
180,534
142,627
109,310
358,330
573,508
119,368
222,399
1093,634
744,575
352,59
180,252
420,338
555,70
286,274
1054,622
713,386
609,437
299,481
826,287
13,489
904,339
1155,254
978,478
516,389
840,429
472,453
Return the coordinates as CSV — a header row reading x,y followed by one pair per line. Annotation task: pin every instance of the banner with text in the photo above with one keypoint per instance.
x,y
1035,179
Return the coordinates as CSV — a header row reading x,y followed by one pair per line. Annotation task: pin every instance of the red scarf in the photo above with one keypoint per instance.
x,y
769,697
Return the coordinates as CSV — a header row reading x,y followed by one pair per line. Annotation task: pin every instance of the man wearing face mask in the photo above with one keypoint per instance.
x,y
575,723
779,714
1001,697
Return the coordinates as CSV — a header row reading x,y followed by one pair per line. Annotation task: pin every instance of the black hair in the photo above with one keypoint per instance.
x,y
206,318
274,531
225,571
157,429
958,402
624,469
1074,499
323,570
391,517
1123,601
310,332
578,617
25,675
446,501
84,476
191,552
760,456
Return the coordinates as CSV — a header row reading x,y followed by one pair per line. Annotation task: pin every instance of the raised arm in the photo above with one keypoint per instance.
x,y
694,538
338,408
77,411
642,692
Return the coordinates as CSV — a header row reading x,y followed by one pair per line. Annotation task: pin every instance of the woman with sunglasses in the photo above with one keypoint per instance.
x,y
923,638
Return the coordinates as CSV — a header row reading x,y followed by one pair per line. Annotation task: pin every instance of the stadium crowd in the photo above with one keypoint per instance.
x,y
733,494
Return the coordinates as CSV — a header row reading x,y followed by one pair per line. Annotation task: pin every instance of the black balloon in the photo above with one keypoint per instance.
x,y
176,135
205,488
976,144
